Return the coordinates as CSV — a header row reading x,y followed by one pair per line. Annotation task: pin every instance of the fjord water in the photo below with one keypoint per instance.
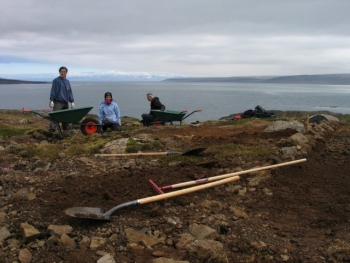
x,y
215,99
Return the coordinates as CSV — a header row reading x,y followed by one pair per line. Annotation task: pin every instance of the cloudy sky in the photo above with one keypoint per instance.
x,y
176,37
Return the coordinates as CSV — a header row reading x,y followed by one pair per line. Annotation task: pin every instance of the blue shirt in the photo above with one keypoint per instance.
x,y
61,90
109,112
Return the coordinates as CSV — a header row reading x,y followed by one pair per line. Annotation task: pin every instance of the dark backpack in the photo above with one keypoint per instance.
x,y
248,113
260,112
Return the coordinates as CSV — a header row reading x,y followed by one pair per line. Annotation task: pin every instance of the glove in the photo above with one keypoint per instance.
x,y
51,104
73,105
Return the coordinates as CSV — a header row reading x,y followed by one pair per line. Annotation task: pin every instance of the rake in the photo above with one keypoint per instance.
x,y
160,189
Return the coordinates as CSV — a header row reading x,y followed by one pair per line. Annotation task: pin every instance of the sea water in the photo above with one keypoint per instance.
x,y
216,100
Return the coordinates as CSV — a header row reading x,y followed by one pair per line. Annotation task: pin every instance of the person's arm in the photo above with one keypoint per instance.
x,y
158,104
71,97
100,114
117,113
54,90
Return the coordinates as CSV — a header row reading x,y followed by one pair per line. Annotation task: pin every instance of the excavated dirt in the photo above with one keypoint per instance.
x,y
305,218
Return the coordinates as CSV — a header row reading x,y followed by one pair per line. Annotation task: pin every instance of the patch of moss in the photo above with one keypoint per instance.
x,y
8,131
134,146
79,145
45,151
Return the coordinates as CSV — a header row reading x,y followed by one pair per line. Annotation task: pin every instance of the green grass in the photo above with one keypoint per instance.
x,y
45,151
79,145
345,119
9,131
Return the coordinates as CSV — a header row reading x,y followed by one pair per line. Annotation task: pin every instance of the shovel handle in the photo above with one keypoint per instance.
x,y
130,154
186,191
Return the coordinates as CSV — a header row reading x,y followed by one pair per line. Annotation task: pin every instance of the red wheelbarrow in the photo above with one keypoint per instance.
x,y
74,116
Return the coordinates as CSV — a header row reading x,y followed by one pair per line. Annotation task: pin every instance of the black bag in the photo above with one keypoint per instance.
x,y
248,113
260,112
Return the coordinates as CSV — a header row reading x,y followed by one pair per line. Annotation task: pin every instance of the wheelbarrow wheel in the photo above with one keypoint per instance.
x,y
90,126
158,123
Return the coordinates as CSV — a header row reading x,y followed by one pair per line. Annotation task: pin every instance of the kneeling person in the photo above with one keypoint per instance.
x,y
109,113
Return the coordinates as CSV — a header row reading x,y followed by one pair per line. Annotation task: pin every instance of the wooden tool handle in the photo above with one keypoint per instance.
x,y
130,154
179,185
186,191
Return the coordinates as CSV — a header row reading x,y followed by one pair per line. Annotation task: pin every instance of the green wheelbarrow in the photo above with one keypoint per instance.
x,y
170,116
74,116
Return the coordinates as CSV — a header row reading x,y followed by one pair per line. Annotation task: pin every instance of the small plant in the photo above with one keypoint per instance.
x,y
5,170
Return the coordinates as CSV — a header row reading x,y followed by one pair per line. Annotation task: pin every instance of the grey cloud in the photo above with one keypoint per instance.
x,y
222,37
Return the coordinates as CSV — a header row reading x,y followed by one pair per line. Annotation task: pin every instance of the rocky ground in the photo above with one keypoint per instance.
x,y
294,213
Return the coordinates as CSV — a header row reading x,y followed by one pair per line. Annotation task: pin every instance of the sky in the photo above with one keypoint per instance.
x,y
191,38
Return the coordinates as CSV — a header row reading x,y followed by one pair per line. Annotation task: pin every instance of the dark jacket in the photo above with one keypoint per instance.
x,y
61,90
156,104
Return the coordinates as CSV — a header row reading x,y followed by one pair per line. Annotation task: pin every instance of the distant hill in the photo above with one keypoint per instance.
x,y
329,79
14,81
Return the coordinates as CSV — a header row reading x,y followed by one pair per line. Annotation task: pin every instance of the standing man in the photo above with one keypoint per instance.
x,y
109,113
61,94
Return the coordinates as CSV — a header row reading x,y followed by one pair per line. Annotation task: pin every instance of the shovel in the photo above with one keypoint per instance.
x,y
97,213
191,152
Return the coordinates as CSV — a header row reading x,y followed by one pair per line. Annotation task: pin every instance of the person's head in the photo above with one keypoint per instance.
x,y
108,97
150,96
63,72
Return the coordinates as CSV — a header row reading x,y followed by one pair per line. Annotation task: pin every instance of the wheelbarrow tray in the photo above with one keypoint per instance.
x,y
69,115
169,115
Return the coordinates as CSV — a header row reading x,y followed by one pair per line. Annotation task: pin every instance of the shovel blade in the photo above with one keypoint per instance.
x,y
87,212
194,151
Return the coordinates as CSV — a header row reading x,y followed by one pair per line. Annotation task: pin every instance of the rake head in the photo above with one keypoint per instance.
x,y
155,187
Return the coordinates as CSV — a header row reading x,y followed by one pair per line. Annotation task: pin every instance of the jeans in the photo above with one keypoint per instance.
x,y
113,126
147,119
58,105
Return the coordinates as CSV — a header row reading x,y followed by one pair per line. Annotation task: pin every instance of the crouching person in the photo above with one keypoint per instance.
x,y
109,114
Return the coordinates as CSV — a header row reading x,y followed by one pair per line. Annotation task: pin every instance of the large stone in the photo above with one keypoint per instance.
x,y
85,242
299,138
108,258
134,236
59,229
203,247
167,260
97,242
3,217
184,241
202,231
67,241
4,234
25,256
28,232
262,176
283,125
289,151
322,117
21,194
238,212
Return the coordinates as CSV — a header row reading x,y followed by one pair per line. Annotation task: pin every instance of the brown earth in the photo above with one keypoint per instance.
x,y
299,214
